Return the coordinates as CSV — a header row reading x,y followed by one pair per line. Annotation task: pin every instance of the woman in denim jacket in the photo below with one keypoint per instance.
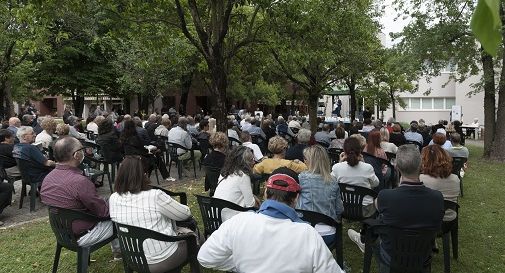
x,y
320,191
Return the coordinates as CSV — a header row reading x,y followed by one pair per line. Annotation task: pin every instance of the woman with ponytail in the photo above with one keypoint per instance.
x,y
353,171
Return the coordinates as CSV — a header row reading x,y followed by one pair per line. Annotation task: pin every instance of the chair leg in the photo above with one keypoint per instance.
x,y
367,258
461,186
454,240
11,181
156,173
33,196
22,195
447,252
113,175
339,248
194,166
179,168
82,259
56,258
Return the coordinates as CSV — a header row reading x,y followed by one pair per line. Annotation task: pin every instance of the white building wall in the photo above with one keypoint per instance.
x,y
437,104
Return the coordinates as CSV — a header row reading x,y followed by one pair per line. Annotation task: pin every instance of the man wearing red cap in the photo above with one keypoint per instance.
x,y
274,239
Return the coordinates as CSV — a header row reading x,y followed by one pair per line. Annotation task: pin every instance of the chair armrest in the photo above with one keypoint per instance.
x,y
371,222
182,195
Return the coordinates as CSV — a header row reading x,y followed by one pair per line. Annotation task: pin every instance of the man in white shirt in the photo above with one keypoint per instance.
x,y
246,124
245,137
413,135
179,135
273,240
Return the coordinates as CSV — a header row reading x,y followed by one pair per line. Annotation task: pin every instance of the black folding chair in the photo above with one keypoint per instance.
x,y
457,164
386,182
61,223
334,154
232,140
352,199
315,218
256,180
211,178
211,208
174,157
131,241
391,156
411,248
324,144
449,235
96,159
183,199
24,168
419,145
4,176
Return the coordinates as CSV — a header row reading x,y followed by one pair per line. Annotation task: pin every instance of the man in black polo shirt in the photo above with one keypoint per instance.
x,y
411,205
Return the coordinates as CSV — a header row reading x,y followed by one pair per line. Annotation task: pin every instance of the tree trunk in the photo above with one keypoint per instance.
x,y
489,102
3,113
9,104
393,102
313,102
219,84
78,105
352,92
186,81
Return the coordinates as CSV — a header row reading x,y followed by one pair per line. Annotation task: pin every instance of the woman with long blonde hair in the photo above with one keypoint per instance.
x,y
320,191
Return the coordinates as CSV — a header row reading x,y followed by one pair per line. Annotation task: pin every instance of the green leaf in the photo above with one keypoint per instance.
x,y
486,25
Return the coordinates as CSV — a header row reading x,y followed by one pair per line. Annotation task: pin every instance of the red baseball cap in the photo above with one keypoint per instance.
x,y
291,187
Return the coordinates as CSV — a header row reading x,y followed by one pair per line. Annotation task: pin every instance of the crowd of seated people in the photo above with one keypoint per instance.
x,y
299,171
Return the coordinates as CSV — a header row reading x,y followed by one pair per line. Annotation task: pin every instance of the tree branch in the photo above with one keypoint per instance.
x,y
185,30
287,74
195,15
225,22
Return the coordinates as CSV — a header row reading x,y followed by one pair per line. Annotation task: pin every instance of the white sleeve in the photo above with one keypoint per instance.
x,y
257,152
216,252
187,141
171,208
323,260
374,181
246,189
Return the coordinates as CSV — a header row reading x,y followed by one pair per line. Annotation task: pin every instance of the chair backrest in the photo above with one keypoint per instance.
x,y
211,208
233,140
24,168
211,178
410,248
419,145
315,218
457,165
324,144
61,223
390,156
3,173
377,164
449,205
131,241
334,154
352,198
172,150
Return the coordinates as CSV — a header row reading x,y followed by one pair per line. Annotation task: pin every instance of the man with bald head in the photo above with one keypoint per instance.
x,y
67,187
179,135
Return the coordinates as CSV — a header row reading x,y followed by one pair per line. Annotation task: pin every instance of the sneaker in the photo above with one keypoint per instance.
x,y
356,238
170,179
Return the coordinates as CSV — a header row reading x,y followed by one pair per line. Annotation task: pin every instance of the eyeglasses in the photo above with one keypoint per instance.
x,y
80,149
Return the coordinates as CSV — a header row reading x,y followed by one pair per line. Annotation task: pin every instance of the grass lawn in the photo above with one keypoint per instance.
x,y
30,248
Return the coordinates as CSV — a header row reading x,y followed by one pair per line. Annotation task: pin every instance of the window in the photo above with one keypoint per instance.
x,y
449,102
429,103
415,103
438,103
